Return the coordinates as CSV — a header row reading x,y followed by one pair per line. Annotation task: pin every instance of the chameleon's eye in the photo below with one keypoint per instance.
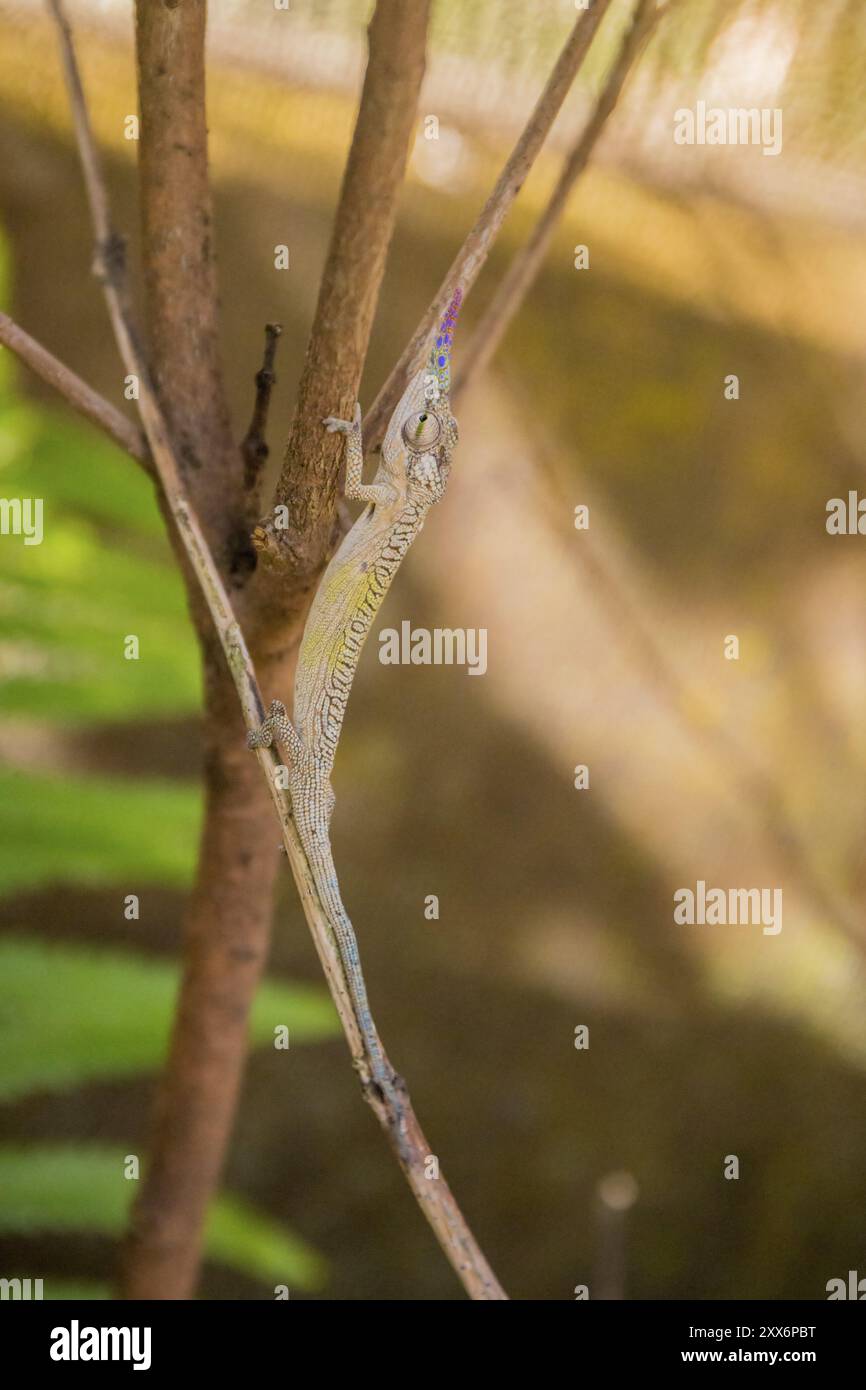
x,y
421,432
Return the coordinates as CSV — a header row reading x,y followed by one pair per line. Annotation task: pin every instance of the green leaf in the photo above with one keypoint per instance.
x,y
96,830
239,1236
61,458
103,571
70,1015
82,1188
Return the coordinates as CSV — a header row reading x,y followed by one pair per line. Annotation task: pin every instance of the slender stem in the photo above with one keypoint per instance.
x,y
473,253
524,268
76,392
434,1195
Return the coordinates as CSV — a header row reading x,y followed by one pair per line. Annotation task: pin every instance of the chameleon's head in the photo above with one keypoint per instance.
x,y
423,433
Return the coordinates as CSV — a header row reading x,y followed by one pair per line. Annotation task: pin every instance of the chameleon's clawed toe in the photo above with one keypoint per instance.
x,y
334,425
263,736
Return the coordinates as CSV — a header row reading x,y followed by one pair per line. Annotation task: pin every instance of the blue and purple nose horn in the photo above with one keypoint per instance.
x,y
440,357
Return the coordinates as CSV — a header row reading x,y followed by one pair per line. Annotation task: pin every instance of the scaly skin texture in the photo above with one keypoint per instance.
x,y
412,475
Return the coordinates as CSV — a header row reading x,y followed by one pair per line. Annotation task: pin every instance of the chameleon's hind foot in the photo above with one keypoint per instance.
x,y
263,737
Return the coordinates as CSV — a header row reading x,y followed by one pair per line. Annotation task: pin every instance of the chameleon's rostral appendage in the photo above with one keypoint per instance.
x,y
411,477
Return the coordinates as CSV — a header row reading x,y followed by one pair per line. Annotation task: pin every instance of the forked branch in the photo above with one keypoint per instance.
x,y
434,1196
76,392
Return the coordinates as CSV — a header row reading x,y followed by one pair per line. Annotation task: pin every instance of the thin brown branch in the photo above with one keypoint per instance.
x,y
180,270
412,1148
254,447
91,165
349,291
524,268
473,253
76,392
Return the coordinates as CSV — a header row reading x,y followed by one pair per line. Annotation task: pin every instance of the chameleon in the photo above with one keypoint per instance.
x,y
412,475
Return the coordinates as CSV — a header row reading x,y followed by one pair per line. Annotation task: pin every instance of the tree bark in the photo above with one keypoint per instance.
x,y
226,939
180,269
227,919
348,295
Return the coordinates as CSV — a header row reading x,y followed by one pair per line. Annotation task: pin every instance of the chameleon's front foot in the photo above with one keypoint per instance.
x,y
263,737
334,425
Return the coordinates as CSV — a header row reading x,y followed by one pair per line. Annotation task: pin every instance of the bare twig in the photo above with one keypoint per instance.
x,y
109,250
76,392
473,253
434,1197
363,225
254,447
512,289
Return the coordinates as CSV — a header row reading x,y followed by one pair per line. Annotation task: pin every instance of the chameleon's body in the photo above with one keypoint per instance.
x,y
413,472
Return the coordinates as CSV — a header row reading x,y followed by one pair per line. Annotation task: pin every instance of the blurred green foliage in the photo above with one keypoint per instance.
x,y
48,1040
74,1290
100,574
95,830
73,1015
82,1188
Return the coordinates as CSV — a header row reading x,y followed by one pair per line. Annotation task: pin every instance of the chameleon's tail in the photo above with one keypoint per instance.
x,y
324,874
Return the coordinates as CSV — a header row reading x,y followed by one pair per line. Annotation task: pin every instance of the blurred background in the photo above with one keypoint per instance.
x,y
602,1166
